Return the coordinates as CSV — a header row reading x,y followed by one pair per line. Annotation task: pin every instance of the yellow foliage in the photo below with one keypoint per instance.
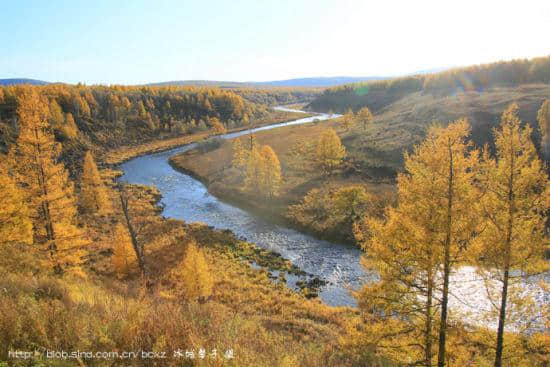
x,y
194,273
348,120
49,191
217,126
94,197
69,128
15,221
254,169
364,116
239,154
124,255
330,151
543,118
424,233
516,197
271,172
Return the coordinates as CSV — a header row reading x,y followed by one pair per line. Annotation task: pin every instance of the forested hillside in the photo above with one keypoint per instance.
x,y
88,264
479,78
103,118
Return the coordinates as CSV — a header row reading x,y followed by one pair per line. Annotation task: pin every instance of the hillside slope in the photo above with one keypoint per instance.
x,y
401,124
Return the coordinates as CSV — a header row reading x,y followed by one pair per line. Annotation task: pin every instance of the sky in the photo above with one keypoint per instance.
x,y
135,42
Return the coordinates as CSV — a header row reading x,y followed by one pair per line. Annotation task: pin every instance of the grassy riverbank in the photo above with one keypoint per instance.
x,y
374,154
124,153
214,169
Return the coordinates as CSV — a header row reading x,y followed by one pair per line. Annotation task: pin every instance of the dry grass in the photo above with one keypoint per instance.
x,y
264,322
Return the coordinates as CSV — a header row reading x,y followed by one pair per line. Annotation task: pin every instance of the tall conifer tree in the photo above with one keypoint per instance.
x,y
516,198
50,192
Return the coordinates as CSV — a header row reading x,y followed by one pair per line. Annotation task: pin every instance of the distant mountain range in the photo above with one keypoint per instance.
x,y
16,81
297,82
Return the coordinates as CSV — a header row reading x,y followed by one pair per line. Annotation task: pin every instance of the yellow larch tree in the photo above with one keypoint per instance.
x,y
417,245
217,126
364,116
57,118
15,221
348,120
124,255
271,175
300,155
49,191
516,198
254,167
194,274
93,194
330,151
543,118
69,128
16,237
238,154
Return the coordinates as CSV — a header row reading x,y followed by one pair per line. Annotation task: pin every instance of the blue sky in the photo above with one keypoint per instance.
x,y
132,42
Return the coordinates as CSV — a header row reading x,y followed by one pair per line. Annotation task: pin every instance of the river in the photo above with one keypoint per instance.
x,y
184,197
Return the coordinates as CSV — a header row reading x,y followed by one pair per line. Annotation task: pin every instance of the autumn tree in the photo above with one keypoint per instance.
x,y
194,273
271,175
94,196
15,220
428,231
330,151
254,169
80,107
516,191
300,155
348,119
141,112
364,117
543,118
126,107
49,191
217,126
57,118
69,128
123,252
238,154
16,236
91,101
333,210
350,203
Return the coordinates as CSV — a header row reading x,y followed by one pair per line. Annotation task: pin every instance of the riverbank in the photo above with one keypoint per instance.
x,y
125,153
300,176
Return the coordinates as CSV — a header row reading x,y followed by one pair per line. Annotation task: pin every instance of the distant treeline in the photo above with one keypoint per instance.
x,y
378,94
114,115
276,96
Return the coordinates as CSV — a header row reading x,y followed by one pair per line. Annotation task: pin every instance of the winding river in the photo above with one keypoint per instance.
x,y
184,197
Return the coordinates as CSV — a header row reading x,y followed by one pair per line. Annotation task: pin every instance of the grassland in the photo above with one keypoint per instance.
x,y
375,152
263,321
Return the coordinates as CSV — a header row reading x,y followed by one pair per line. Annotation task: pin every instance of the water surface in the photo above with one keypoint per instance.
x,y
184,197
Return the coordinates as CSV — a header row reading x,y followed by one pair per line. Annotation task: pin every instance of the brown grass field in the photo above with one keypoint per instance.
x,y
374,153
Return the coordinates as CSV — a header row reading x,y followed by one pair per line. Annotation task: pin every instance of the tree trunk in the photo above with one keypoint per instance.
x,y
428,331
45,207
507,250
137,248
501,320
446,267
